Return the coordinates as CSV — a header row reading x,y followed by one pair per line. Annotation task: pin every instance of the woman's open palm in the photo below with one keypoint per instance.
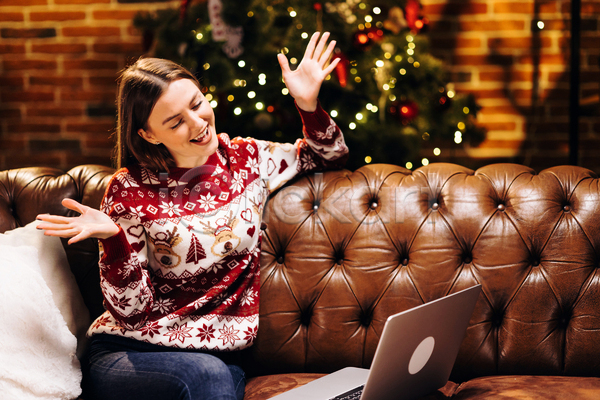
x,y
90,223
305,81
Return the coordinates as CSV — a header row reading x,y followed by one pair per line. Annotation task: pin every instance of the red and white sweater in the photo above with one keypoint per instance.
x,y
184,269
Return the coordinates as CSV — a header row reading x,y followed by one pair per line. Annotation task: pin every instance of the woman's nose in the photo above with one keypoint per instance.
x,y
196,121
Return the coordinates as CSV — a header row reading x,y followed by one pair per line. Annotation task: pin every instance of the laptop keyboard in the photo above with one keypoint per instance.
x,y
353,394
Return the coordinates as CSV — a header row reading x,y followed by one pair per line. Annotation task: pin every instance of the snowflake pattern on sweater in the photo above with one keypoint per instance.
x,y
183,271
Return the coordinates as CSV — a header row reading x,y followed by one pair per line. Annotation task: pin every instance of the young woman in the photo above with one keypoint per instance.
x,y
180,231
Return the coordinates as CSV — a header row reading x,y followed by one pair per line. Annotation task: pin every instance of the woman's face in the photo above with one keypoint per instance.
x,y
183,120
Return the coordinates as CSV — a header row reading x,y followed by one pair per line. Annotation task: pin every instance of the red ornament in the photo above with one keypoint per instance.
x,y
412,13
341,69
404,110
318,6
183,9
363,39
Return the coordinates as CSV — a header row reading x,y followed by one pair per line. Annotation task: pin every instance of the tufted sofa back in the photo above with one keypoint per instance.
x,y
343,250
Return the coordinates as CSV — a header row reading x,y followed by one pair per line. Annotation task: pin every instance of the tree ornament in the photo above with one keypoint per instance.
x,y
341,70
404,110
412,13
183,9
442,102
363,39
395,21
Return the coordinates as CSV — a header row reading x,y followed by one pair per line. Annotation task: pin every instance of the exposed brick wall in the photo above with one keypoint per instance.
x,y
59,60
520,75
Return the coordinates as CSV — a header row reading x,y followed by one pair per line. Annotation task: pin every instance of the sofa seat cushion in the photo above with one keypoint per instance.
x,y
525,387
265,387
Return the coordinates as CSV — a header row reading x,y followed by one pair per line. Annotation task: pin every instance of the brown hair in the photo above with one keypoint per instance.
x,y
140,87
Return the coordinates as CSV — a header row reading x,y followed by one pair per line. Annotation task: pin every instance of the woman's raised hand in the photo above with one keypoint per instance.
x,y
305,81
91,223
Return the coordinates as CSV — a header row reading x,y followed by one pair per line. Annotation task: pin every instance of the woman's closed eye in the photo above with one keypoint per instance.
x,y
197,106
177,124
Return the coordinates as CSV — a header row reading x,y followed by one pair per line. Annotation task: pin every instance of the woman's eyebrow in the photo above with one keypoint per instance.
x,y
177,115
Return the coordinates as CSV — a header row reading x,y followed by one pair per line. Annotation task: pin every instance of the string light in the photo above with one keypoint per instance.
x,y
304,35
437,151
376,10
333,113
458,137
260,106
352,125
199,36
466,110
359,117
379,63
230,97
409,165
237,111
461,125
402,71
285,91
425,161
251,94
213,104
368,159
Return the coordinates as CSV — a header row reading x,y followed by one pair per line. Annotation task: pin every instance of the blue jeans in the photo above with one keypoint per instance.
x,y
122,368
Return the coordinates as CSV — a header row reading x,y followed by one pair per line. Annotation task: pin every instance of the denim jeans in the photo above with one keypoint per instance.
x,y
122,368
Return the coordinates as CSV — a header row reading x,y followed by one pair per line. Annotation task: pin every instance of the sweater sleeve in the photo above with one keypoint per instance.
x,y
124,279
321,148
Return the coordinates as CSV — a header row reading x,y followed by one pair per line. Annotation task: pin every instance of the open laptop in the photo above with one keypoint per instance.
x,y
414,357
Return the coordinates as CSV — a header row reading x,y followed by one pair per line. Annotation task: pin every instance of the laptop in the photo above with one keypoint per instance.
x,y
414,357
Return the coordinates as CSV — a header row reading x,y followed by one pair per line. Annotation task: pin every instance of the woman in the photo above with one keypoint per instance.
x,y
180,231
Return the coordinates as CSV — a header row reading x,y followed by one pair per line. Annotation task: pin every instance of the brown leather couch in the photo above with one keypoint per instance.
x,y
343,250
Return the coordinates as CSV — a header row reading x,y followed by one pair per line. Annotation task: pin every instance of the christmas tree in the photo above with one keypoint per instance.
x,y
388,94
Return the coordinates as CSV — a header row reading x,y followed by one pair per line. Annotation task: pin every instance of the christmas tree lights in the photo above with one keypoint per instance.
x,y
388,94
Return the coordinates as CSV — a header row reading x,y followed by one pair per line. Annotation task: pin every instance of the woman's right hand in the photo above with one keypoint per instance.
x,y
91,223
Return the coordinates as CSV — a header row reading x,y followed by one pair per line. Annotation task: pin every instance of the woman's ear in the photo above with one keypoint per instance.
x,y
147,136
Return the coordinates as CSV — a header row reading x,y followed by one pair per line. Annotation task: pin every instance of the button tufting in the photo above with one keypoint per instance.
x,y
405,262
467,260
501,207
316,207
567,208
535,263
280,260
263,226
340,261
373,205
435,206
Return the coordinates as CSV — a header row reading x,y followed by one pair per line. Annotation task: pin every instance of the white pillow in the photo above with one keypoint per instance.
x,y
37,355
58,276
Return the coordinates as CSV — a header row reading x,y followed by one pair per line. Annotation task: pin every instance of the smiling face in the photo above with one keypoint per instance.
x,y
184,122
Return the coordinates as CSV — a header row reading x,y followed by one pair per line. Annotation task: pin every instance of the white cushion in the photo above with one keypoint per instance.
x,y
58,276
37,355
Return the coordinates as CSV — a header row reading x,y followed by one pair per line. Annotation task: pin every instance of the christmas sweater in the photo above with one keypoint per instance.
x,y
183,271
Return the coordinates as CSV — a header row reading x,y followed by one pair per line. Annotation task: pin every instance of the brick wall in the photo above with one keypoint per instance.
x,y
520,75
59,60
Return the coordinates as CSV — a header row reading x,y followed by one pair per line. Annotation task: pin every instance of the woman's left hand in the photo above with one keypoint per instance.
x,y
305,81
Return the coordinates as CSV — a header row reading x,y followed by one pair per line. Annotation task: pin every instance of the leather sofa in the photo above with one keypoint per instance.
x,y
343,250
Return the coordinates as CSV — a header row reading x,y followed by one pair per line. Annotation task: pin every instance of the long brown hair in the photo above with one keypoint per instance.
x,y
140,87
